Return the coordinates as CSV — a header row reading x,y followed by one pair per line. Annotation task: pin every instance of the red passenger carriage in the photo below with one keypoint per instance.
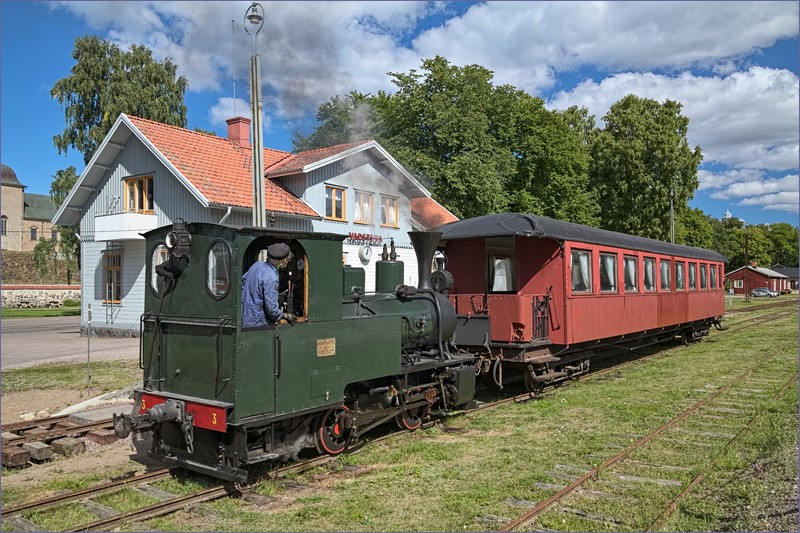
x,y
544,296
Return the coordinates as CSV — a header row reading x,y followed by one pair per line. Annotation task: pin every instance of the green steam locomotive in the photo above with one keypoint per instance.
x,y
219,397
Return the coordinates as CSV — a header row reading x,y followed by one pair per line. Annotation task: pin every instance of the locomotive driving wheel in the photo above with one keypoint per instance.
x,y
333,431
410,419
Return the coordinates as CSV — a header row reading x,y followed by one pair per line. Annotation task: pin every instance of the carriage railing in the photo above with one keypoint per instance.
x,y
541,316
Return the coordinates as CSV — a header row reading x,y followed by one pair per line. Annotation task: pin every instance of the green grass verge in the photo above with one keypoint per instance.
x,y
106,376
40,312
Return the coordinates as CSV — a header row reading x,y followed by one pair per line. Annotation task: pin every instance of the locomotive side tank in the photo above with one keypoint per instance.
x,y
219,396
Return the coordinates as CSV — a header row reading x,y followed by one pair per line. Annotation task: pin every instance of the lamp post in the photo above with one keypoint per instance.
x,y
255,18
672,215
746,265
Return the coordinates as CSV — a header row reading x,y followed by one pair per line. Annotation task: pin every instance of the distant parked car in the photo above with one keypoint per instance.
x,y
763,292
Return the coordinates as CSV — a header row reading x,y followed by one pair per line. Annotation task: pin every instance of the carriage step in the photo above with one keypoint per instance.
x,y
551,376
543,359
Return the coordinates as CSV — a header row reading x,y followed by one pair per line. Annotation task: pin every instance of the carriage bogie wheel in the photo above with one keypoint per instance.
x,y
531,385
410,419
330,436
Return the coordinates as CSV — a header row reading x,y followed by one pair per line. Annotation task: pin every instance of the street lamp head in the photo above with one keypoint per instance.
x,y
255,15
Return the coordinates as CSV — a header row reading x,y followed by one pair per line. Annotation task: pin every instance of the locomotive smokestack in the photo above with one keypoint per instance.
x,y
424,243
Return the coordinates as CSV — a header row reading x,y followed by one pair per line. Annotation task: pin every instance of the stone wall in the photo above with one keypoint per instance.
x,y
16,296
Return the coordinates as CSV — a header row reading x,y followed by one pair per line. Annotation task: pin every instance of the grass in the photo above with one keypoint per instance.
x,y
466,474
40,312
106,376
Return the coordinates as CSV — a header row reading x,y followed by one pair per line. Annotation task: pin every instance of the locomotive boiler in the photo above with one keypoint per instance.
x,y
219,397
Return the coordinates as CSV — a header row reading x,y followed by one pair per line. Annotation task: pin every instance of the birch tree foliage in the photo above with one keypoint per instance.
x,y
106,81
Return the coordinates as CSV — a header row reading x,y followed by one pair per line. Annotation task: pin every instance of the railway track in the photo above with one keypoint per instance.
x,y
24,516
609,481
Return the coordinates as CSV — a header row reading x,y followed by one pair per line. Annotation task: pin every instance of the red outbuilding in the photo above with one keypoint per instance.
x,y
745,279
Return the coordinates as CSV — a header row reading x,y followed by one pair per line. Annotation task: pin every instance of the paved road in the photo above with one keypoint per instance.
x,y
32,341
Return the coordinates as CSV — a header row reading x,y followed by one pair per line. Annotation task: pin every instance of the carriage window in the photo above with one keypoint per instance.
x,y
218,270
692,276
160,254
680,276
631,274
608,272
581,271
713,271
719,276
502,276
666,284
649,274
703,277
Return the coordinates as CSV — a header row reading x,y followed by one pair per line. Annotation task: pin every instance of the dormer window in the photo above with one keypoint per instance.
x,y
334,203
139,195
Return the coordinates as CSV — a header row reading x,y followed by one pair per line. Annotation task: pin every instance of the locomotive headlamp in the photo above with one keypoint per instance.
x,y
179,241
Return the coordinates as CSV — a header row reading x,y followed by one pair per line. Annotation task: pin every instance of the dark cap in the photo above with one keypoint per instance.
x,y
278,250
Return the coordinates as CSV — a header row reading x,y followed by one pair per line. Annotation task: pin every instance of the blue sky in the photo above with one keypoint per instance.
x,y
733,66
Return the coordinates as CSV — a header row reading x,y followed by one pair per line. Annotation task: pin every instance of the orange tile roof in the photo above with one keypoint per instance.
x,y
219,168
429,213
296,162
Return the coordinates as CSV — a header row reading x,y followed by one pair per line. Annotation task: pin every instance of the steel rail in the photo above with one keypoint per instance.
x,y
52,501
591,474
30,424
674,503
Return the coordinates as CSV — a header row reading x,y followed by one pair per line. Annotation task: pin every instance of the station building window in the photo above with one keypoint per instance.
x,y
608,272
334,203
703,277
680,276
363,208
581,271
666,268
389,211
692,276
713,271
112,276
649,274
631,274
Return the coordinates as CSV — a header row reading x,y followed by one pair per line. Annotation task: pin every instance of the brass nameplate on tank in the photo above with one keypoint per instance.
x,y
326,347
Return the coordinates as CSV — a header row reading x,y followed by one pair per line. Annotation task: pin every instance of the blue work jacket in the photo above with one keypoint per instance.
x,y
260,296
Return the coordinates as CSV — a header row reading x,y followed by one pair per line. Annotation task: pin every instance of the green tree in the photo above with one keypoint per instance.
x,y
727,239
640,156
69,243
480,148
44,259
341,120
693,228
445,123
783,239
107,81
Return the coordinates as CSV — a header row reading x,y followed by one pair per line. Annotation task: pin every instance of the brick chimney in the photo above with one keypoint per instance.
x,y
239,131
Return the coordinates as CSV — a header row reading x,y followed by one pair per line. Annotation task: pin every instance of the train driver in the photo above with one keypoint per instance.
x,y
260,289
